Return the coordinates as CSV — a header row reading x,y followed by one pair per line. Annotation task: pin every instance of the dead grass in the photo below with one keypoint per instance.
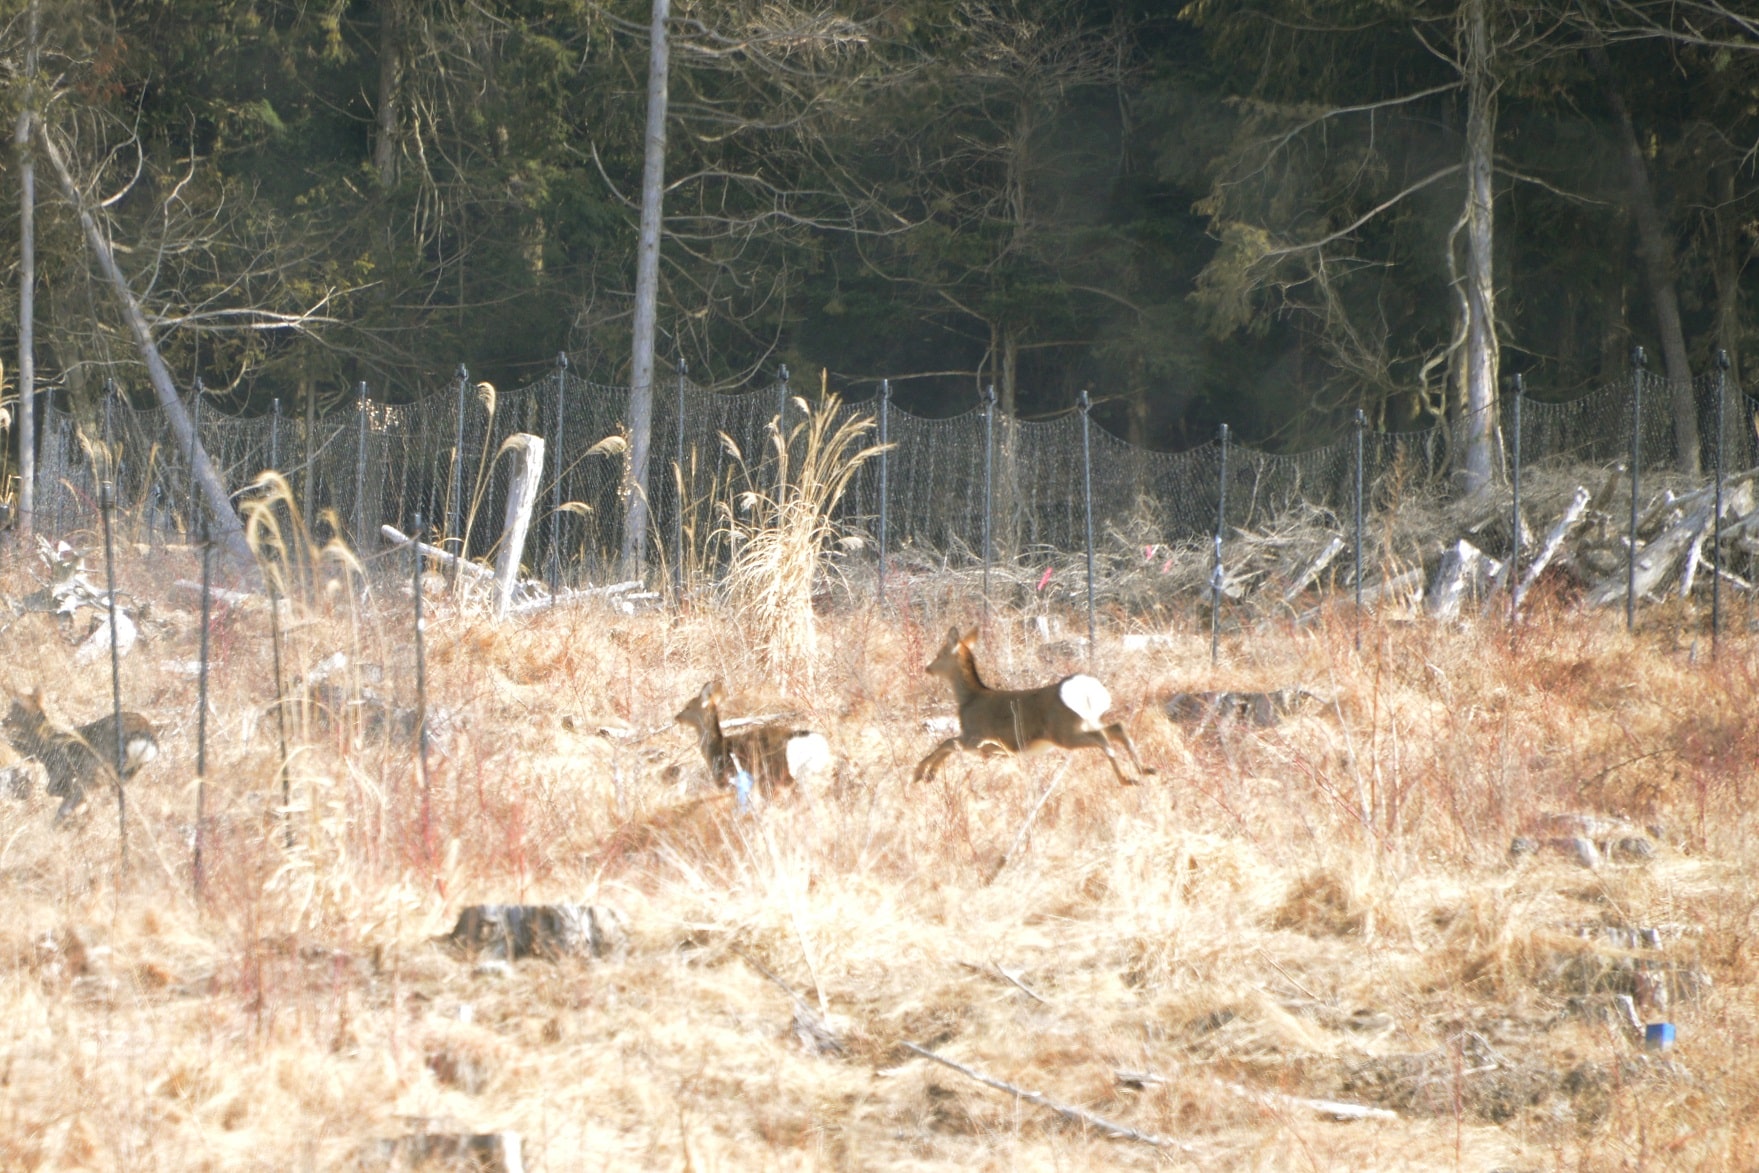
x,y
1322,909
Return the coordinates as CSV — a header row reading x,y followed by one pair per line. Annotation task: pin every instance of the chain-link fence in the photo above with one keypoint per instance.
x,y
375,464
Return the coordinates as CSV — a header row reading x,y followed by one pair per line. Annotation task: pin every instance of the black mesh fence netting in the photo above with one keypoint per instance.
x,y
440,457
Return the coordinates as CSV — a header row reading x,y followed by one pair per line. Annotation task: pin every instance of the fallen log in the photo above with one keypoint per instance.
x,y
1658,560
445,557
1559,533
1313,569
1464,571
628,590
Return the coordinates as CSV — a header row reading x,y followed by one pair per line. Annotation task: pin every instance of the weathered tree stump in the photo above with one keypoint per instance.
x,y
513,931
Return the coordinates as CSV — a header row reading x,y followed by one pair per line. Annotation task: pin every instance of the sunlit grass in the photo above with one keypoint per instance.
x,y
1325,908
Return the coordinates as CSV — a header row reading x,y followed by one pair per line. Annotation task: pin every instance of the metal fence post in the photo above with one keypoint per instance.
x,y
989,448
360,402
272,579
1515,509
1086,405
107,506
555,527
195,504
678,505
60,455
1722,366
454,506
201,714
275,433
781,430
1361,428
108,472
1216,577
885,423
1639,361
421,701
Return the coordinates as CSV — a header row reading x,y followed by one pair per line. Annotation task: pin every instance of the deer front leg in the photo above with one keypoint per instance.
x,y
925,769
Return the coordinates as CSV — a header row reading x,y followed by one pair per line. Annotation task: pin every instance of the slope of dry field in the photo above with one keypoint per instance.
x,y
1324,909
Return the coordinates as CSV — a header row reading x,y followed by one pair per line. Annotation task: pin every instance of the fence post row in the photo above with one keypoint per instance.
x,y
1639,360
158,495
1086,405
885,456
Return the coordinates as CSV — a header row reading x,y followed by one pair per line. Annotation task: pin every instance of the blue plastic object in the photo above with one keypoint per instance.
x,y
742,783
1658,1036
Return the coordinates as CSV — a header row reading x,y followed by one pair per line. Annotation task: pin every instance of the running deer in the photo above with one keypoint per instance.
x,y
1065,714
766,756
75,759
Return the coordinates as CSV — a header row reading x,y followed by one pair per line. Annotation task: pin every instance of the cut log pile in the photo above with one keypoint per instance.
x,y
1575,535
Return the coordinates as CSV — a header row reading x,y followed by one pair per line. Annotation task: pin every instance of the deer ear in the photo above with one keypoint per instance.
x,y
952,636
713,692
969,637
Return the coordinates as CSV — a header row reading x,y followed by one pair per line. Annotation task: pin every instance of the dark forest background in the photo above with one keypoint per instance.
x,y
1246,212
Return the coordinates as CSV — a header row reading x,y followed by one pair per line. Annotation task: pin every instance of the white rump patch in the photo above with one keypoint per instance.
x,y
1086,698
809,755
139,751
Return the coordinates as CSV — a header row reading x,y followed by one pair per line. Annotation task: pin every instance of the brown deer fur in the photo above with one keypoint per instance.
x,y
1065,714
773,755
75,759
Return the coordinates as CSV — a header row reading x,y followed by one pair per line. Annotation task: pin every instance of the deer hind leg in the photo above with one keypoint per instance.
x,y
925,769
1115,733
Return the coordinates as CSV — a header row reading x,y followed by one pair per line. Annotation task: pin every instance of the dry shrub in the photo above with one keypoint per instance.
x,y
781,530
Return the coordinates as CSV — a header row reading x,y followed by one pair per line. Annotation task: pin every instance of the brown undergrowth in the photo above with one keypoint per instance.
x,y
1322,909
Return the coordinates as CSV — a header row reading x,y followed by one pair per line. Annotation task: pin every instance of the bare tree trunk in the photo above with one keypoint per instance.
x,y
1657,252
231,531
1478,424
647,282
27,293
387,115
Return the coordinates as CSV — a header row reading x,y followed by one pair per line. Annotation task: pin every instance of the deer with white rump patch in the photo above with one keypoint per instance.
x,y
1065,714
765,756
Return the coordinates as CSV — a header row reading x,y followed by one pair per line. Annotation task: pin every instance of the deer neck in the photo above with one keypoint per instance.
x,y
967,684
713,741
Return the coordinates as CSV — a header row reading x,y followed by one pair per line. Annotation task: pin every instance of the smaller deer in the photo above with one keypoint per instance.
x,y
766,756
1065,714
74,759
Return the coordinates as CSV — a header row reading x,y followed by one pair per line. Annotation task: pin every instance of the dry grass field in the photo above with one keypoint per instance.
x,y
1322,909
